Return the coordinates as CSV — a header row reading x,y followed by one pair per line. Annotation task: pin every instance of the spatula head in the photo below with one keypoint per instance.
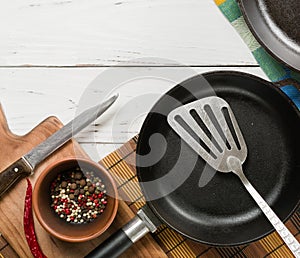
x,y
209,127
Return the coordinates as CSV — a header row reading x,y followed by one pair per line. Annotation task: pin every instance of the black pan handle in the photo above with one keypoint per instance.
x,y
114,246
145,221
120,241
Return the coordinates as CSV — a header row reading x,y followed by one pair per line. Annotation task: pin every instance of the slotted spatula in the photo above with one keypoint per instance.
x,y
209,127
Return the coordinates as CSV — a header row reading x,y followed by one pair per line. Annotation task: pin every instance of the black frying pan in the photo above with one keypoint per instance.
x,y
222,212
275,24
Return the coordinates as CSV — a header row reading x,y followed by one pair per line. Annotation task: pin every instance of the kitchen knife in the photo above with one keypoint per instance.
x,y
26,164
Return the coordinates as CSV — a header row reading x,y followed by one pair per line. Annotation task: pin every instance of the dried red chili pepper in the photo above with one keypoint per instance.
x,y
29,225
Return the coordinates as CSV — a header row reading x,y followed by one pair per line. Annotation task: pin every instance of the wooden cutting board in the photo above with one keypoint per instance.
x,y
12,147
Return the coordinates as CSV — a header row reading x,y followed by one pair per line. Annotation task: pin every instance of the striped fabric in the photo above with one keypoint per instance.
x,y
273,69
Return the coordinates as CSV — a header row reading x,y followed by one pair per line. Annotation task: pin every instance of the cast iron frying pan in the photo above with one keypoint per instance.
x,y
221,212
275,24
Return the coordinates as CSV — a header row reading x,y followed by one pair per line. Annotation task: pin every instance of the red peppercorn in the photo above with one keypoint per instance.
x,y
76,199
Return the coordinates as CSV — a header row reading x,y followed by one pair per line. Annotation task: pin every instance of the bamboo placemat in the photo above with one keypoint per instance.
x,y
119,163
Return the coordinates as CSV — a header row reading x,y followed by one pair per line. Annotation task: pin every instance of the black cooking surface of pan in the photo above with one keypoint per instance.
x,y
275,23
222,212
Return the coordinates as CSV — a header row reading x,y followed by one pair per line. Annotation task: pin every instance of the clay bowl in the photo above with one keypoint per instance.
x,y
58,227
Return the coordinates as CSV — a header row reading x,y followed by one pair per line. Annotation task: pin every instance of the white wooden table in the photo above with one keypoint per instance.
x,y
51,51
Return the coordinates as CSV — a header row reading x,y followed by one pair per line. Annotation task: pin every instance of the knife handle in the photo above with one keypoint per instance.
x,y
13,173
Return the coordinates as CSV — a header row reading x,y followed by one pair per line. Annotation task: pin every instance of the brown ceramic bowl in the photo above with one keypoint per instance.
x,y
60,228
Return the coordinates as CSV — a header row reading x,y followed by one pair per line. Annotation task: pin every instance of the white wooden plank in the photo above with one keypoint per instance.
x,y
75,32
30,95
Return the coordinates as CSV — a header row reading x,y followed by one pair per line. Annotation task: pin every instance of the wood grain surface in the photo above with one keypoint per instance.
x,y
53,49
115,32
31,94
13,147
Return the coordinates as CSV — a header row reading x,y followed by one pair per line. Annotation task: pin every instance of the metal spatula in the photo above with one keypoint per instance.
x,y
208,125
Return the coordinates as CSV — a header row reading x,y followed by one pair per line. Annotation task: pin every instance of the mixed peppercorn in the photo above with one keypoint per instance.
x,y
78,197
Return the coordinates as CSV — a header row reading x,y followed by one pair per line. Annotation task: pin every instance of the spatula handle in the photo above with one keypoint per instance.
x,y
281,229
12,174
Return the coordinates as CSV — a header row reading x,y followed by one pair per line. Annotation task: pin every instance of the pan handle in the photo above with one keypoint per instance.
x,y
120,241
291,88
135,229
112,247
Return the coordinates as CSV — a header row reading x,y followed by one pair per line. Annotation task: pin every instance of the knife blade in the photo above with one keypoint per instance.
x,y
25,166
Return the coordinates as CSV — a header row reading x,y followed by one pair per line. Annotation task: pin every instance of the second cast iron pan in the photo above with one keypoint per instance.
x,y
275,24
